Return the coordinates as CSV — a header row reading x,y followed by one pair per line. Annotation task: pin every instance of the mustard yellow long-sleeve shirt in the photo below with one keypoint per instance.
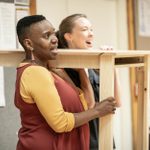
x,y
37,86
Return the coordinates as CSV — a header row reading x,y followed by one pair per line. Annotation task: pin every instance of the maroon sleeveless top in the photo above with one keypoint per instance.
x,y
36,134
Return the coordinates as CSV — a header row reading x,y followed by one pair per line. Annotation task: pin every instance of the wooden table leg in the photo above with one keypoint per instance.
x,y
140,79
106,90
143,99
146,103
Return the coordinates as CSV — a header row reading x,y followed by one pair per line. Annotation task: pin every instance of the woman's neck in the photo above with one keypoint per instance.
x,y
40,63
36,61
31,58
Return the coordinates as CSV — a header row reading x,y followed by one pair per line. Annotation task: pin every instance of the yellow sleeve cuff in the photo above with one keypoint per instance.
x,y
71,122
82,99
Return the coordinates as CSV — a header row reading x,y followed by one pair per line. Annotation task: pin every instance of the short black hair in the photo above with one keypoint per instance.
x,y
24,23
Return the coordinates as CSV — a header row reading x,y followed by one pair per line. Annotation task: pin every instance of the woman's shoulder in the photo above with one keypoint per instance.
x,y
36,70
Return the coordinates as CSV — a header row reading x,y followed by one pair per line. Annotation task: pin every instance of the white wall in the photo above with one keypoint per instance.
x,y
109,19
54,10
102,14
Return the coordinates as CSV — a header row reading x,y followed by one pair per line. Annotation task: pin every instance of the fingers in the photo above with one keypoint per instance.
x,y
112,104
111,99
107,106
106,47
113,110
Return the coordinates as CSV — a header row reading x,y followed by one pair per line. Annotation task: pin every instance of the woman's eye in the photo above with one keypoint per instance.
x,y
87,29
47,36
84,29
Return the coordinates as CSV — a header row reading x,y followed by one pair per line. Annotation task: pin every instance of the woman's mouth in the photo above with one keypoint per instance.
x,y
89,43
54,49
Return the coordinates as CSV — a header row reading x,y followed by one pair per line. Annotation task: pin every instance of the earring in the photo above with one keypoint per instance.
x,y
32,56
31,48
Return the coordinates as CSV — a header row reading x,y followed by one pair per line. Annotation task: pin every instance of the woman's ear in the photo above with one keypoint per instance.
x,y
68,37
28,44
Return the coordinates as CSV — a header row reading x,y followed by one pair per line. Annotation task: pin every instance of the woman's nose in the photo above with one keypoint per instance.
x,y
54,40
91,33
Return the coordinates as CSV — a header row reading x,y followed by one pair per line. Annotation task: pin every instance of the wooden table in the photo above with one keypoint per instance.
x,y
106,61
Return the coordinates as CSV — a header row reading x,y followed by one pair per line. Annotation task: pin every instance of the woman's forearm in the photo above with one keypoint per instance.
x,y
103,108
87,88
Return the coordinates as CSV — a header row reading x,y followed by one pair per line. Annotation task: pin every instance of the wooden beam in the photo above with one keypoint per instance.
x,y
131,24
79,58
33,7
131,45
